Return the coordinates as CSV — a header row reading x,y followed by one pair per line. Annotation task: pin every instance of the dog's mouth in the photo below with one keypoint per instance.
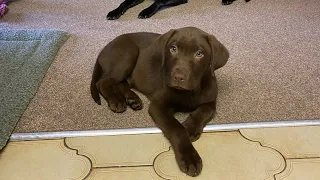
x,y
178,87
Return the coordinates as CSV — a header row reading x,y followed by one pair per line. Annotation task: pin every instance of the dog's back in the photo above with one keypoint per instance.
x,y
142,39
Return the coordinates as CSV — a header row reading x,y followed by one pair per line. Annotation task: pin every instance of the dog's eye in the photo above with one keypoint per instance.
x,y
199,54
173,49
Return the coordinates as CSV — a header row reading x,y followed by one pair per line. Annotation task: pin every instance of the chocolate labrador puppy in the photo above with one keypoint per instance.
x,y
175,71
151,10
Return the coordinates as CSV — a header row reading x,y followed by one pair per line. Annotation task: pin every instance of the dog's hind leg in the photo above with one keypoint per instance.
x,y
107,89
117,61
132,98
116,13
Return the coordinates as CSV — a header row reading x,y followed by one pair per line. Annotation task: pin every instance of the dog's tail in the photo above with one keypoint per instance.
x,y
97,72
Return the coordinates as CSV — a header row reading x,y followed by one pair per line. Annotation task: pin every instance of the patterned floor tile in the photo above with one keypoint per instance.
x,y
292,142
49,159
121,150
226,155
301,169
124,173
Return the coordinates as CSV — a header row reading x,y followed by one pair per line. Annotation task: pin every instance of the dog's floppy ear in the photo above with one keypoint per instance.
x,y
219,53
162,42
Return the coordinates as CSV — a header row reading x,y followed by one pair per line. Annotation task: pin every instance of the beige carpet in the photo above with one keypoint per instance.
x,y
273,72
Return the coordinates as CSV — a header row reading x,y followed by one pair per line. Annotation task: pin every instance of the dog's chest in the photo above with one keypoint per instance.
x,y
187,101
146,76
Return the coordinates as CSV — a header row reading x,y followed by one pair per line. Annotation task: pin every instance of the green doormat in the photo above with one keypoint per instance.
x,y
25,56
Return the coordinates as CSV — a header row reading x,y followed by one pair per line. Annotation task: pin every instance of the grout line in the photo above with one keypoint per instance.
x,y
297,158
136,166
120,166
133,166
284,159
157,157
154,130
77,152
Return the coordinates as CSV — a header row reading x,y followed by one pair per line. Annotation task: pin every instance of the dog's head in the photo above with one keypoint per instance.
x,y
189,54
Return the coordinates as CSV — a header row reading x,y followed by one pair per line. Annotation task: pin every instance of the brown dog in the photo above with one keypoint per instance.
x,y
175,71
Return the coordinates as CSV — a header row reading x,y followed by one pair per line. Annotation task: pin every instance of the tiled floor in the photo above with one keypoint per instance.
x,y
290,153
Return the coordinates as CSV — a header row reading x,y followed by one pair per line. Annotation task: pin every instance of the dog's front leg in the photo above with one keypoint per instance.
x,y
198,119
116,13
157,5
227,2
187,157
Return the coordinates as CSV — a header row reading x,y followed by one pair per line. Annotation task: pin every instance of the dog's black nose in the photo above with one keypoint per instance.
x,y
179,76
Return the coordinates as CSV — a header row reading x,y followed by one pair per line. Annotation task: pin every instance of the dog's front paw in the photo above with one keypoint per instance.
x,y
227,2
189,162
115,14
146,13
194,130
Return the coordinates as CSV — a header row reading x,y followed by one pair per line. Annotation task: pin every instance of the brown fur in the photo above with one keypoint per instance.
x,y
171,71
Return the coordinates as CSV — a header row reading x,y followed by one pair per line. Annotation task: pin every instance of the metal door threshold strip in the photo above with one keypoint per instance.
x,y
154,130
